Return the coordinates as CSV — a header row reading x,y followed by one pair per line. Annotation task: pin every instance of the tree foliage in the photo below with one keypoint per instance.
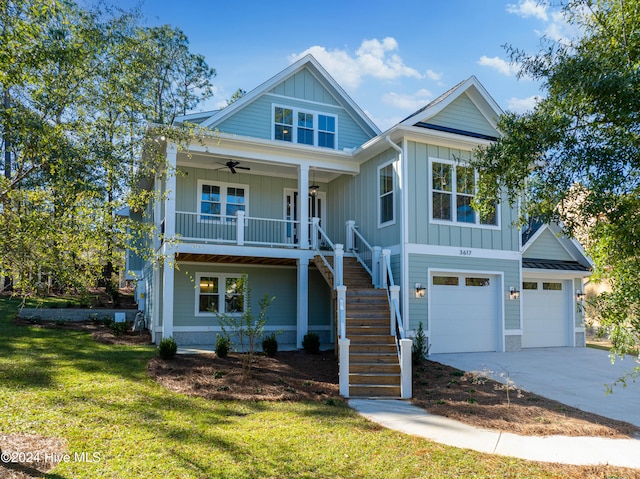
x,y
575,158
82,87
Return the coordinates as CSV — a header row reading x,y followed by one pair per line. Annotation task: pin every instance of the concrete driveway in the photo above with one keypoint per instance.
x,y
573,376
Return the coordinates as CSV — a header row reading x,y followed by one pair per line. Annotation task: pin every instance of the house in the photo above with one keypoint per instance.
x,y
359,234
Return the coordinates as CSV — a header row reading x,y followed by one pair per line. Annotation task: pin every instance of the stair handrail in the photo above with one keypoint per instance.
x,y
359,254
338,252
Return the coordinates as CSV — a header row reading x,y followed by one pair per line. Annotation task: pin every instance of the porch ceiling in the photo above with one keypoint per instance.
x,y
229,259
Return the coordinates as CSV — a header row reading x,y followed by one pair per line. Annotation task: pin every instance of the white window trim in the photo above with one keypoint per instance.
x,y
222,281
454,193
294,133
393,194
223,199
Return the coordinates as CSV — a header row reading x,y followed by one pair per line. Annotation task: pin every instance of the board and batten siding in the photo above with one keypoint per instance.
x,y
547,246
278,282
422,231
356,198
256,120
419,266
462,114
304,86
266,193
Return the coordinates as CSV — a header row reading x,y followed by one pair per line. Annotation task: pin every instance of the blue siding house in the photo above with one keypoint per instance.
x,y
361,235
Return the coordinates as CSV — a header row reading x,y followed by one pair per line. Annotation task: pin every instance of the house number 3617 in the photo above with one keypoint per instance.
x,y
465,252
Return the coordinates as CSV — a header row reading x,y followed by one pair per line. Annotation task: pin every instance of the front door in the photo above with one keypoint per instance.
x,y
317,207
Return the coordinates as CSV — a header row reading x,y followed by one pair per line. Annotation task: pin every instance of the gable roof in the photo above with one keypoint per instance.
x,y
576,258
470,88
311,64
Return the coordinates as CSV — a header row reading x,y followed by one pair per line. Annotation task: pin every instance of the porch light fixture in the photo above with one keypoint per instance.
x,y
420,290
580,296
513,293
313,189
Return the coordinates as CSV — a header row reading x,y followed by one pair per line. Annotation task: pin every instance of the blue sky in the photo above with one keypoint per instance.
x,y
391,57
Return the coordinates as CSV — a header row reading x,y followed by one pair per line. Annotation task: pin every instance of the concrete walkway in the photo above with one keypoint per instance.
x,y
404,417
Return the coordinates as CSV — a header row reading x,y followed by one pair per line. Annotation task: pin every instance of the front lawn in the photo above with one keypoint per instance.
x,y
105,417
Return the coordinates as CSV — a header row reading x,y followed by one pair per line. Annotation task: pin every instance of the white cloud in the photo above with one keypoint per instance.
x,y
529,8
498,64
522,105
373,58
431,75
408,103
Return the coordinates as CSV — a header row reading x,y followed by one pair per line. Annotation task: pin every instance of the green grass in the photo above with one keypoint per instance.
x,y
98,398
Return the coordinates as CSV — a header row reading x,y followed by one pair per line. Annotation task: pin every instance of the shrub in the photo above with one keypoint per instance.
x,y
167,348
419,349
311,343
118,328
222,345
270,345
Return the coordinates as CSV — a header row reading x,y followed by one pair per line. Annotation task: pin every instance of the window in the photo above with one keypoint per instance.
x,y
445,280
220,201
452,190
530,285
552,286
477,281
219,293
385,194
309,128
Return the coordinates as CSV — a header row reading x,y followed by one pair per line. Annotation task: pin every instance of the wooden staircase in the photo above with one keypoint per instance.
x,y
374,370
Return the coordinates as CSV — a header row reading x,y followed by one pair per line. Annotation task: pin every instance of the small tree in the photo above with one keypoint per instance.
x,y
419,349
246,329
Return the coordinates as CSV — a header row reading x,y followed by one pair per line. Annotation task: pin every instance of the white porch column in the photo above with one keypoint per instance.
x,y
303,300
240,228
170,193
155,302
168,273
303,205
168,284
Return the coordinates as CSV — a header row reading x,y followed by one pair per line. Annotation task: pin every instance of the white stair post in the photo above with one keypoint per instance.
x,y
405,368
394,293
315,224
342,311
240,228
343,345
385,260
351,224
337,266
376,268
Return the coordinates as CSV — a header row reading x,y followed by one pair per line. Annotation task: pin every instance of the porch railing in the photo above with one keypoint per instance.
x,y
237,229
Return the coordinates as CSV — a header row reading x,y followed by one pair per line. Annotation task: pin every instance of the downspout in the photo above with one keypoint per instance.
x,y
403,229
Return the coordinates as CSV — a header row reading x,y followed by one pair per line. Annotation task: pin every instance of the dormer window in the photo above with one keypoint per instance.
x,y
304,127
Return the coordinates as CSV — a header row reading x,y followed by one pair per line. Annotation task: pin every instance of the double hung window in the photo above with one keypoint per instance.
x,y
221,201
453,187
304,127
219,293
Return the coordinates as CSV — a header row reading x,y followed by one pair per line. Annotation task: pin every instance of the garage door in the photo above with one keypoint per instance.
x,y
464,313
545,309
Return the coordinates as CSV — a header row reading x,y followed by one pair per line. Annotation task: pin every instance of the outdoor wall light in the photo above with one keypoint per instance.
x,y
420,290
580,295
513,293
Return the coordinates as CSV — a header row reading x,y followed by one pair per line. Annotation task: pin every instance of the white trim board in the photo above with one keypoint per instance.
x,y
462,251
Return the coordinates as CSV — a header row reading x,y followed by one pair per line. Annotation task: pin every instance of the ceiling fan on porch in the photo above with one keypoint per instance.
x,y
233,166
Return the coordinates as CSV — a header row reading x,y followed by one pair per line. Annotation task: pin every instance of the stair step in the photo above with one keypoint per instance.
x,y
373,358
372,390
381,339
374,379
365,330
373,348
382,368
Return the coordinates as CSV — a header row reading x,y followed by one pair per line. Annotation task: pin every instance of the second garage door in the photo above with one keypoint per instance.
x,y
464,312
545,309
